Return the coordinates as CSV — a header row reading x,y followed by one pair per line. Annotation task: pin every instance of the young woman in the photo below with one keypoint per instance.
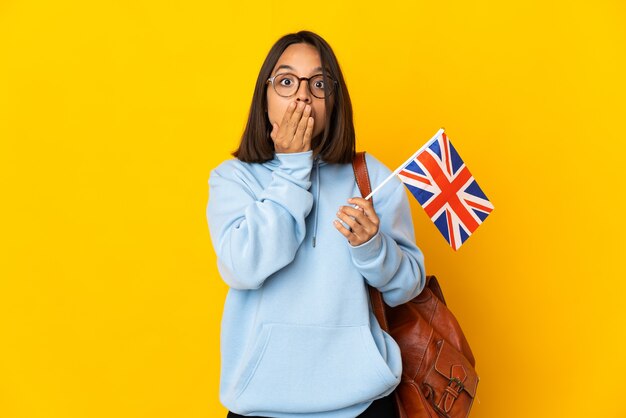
x,y
298,336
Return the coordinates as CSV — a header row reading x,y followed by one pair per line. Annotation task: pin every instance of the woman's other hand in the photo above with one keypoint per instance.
x,y
363,221
295,130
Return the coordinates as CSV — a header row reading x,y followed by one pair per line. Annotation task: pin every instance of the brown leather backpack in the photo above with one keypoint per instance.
x,y
438,376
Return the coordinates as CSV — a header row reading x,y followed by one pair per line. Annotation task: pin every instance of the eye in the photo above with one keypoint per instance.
x,y
286,80
317,83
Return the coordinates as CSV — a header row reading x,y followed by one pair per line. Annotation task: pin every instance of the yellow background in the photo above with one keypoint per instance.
x,y
112,114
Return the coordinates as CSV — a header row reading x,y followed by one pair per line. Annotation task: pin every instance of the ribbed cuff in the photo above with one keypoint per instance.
x,y
297,165
368,251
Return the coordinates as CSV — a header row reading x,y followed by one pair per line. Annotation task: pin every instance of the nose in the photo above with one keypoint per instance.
x,y
303,94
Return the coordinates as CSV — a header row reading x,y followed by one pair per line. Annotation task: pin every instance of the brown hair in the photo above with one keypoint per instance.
x,y
337,143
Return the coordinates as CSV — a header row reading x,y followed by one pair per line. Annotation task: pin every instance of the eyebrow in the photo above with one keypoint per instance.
x,y
288,67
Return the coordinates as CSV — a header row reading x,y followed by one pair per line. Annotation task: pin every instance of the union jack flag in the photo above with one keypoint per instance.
x,y
442,184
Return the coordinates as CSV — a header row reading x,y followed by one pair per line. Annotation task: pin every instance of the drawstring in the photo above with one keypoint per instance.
x,y
317,197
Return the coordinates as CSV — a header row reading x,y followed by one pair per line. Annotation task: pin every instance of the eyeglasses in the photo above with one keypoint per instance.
x,y
287,84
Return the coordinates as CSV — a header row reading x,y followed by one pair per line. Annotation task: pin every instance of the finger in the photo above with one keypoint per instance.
x,y
358,214
282,136
363,227
288,113
354,225
355,235
308,133
294,120
344,231
362,203
299,135
367,206
274,131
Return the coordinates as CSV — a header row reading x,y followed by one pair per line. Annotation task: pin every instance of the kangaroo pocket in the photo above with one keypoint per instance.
x,y
311,369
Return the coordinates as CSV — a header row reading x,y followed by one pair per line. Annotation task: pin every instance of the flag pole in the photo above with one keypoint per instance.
x,y
397,170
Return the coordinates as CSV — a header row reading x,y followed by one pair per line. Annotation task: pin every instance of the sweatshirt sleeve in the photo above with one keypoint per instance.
x,y
256,235
390,260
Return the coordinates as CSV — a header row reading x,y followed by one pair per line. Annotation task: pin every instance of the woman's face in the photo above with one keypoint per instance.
x,y
303,60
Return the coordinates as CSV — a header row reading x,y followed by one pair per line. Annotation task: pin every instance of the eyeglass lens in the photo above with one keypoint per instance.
x,y
288,84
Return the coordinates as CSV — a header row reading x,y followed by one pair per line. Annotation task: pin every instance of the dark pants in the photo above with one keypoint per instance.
x,y
380,408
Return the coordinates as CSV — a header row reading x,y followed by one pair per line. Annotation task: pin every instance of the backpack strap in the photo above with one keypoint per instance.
x,y
363,181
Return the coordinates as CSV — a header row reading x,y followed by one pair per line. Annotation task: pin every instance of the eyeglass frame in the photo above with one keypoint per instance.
x,y
271,81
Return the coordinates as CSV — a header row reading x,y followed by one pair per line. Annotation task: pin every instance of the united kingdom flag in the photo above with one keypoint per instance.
x,y
442,184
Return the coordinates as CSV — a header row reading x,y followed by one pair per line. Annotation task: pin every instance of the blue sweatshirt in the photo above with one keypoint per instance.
x,y
298,336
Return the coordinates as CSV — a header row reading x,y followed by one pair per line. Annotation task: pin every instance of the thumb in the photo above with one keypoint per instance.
x,y
274,131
